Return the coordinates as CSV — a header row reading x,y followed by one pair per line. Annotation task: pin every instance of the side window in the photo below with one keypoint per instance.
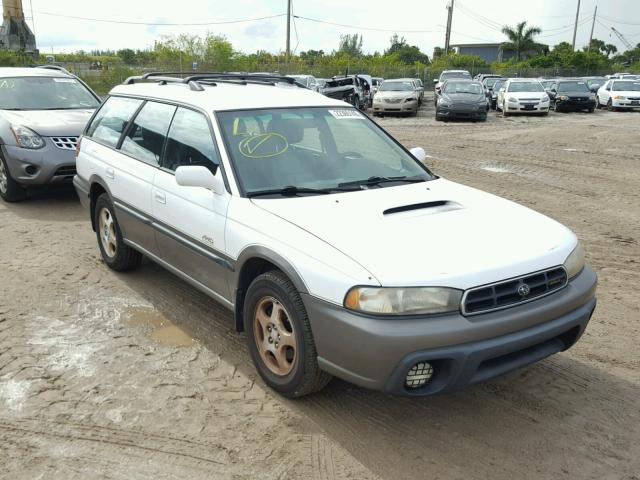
x,y
112,119
145,138
190,142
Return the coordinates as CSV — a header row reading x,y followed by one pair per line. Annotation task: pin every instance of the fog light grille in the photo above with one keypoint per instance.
x,y
419,375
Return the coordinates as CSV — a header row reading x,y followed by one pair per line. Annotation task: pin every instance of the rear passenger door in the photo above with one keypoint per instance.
x,y
191,220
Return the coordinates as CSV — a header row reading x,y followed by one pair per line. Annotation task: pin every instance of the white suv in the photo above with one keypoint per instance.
x,y
339,252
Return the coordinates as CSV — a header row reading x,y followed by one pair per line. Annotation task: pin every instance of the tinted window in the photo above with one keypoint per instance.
x,y
190,141
112,119
146,136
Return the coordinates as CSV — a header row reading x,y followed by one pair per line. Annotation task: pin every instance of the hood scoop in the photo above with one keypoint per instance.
x,y
428,208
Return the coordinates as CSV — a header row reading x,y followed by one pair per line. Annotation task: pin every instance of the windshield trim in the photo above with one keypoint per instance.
x,y
229,158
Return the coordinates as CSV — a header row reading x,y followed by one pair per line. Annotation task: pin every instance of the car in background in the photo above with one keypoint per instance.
x,y
523,95
352,89
43,111
420,88
482,76
492,93
462,99
308,81
594,83
322,83
574,95
396,96
449,75
619,95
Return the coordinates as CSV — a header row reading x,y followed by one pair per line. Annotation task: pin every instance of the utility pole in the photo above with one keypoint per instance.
x,y
592,27
447,38
575,28
288,54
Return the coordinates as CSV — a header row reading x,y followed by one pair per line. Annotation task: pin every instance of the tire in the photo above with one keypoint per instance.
x,y
115,253
10,190
598,105
296,373
610,106
592,109
504,111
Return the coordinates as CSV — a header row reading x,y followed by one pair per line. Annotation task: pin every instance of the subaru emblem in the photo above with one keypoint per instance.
x,y
524,290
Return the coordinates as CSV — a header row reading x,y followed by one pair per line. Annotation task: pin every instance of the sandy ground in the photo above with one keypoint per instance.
x,y
137,376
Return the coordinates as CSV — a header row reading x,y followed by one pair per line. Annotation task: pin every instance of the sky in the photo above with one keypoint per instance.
x,y
421,22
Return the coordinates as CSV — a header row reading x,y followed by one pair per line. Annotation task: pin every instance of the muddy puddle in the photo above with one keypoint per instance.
x,y
163,331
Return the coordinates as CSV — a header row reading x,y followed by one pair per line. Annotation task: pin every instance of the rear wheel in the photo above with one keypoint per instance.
x,y
115,253
10,190
279,336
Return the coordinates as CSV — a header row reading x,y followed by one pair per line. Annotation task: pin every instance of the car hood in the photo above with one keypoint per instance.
x,y
50,123
398,94
464,97
436,233
521,95
625,93
576,93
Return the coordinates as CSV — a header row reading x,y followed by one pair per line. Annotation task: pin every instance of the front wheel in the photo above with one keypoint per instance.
x,y
115,253
10,190
610,106
279,336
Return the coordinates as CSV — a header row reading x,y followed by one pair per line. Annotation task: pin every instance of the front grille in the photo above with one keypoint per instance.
x,y
634,98
68,171
513,292
530,99
393,100
65,143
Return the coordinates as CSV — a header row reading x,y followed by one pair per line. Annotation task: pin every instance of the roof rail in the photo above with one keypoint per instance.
x,y
209,78
52,67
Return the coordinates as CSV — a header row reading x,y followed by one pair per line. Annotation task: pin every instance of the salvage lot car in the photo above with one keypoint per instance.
x,y
568,95
214,179
397,96
523,96
42,113
462,99
619,94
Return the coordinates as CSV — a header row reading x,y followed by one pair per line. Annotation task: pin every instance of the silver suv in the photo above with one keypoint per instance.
x,y
43,111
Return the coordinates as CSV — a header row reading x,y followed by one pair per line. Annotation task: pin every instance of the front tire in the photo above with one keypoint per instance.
x,y
10,190
279,337
115,253
610,106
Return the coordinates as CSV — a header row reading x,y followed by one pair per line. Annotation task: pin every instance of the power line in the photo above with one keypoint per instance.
x,y
621,22
356,27
161,24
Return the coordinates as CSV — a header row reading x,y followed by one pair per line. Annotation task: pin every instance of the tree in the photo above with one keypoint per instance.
x,y
311,56
608,49
128,56
351,45
404,52
521,39
397,44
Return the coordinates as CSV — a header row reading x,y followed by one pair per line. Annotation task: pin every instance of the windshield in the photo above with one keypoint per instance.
x,y
490,82
447,75
572,87
44,93
626,86
313,148
547,83
525,87
396,87
463,87
596,81
498,85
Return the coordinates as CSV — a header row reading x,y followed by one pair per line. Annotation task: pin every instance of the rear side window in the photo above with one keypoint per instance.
x,y
148,132
190,142
112,119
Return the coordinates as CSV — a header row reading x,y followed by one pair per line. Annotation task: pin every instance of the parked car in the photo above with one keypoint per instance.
x,y
619,95
594,83
351,88
419,89
547,83
482,76
522,95
568,95
322,83
462,99
216,183
43,110
308,81
492,93
396,96
448,75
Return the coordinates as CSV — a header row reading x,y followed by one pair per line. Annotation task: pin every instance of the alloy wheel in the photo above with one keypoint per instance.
x,y
3,178
108,233
274,336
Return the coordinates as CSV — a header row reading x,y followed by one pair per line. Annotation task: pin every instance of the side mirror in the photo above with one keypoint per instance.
x,y
419,154
199,176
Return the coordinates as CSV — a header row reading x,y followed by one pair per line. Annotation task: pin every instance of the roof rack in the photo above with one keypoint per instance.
x,y
212,78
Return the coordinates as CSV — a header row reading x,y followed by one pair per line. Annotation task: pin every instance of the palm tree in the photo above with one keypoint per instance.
x,y
521,39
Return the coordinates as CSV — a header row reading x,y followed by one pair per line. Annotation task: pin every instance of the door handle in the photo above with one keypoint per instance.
x,y
111,173
160,197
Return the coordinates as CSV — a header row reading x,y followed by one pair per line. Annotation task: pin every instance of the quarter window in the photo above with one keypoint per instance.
x,y
146,137
112,119
190,142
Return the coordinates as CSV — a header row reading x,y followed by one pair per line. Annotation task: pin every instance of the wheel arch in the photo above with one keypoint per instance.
x,y
253,261
97,187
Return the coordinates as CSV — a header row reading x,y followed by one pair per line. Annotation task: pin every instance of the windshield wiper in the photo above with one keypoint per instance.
x,y
375,180
292,191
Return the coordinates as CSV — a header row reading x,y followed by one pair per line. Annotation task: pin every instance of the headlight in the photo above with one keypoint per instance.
x,y
513,99
411,99
27,138
563,97
575,261
619,97
403,301
545,98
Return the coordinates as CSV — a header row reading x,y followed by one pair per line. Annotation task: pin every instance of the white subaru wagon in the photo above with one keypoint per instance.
x,y
338,251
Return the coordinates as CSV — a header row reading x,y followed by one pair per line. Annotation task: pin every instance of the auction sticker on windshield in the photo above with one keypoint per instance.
x,y
346,113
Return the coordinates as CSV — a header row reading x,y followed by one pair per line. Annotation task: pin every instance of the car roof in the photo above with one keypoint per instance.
x,y
31,72
230,96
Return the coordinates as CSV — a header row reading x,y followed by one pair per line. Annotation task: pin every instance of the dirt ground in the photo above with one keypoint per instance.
x,y
106,375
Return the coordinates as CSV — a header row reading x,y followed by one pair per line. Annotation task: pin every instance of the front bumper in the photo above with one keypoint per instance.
x,y
49,164
540,107
625,103
572,104
402,107
377,353
471,112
